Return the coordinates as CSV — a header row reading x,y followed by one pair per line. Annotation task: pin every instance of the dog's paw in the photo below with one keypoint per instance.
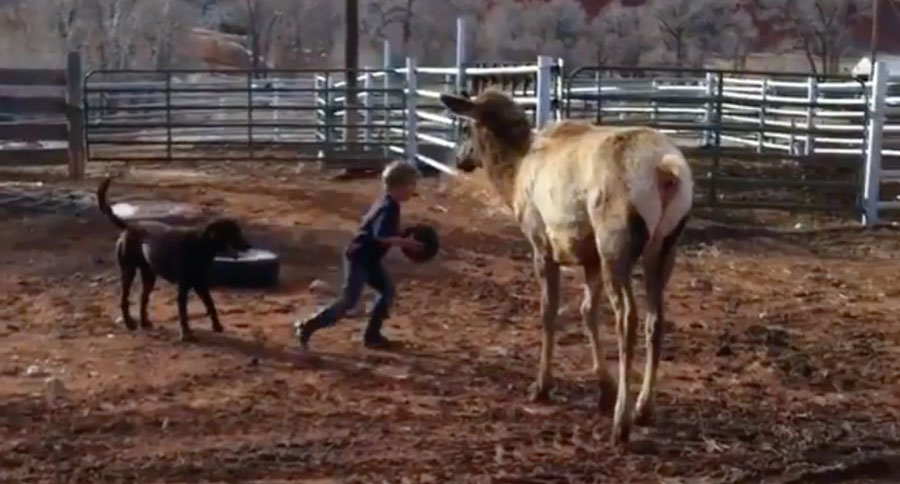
x,y
218,328
146,324
188,337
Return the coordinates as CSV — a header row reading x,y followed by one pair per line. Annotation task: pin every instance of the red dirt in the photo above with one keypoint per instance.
x,y
781,364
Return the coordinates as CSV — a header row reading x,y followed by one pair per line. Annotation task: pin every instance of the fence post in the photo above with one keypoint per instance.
x,y
168,116
461,59
412,87
329,117
760,142
367,106
710,92
386,84
872,181
276,103
812,95
544,89
559,93
792,139
461,54
250,76
717,139
75,115
654,85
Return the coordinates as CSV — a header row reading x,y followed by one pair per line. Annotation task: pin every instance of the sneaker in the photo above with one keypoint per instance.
x,y
303,330
377,341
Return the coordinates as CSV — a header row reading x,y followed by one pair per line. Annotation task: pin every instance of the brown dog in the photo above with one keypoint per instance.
x,y
182,256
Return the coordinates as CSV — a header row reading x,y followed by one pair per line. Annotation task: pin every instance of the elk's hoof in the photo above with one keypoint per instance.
x,y
643,415
538,393
608,395
620,435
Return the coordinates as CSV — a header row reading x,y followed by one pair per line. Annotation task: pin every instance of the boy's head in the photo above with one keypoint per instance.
x,y
400,179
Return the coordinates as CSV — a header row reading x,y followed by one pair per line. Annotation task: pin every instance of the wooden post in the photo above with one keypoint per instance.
x,y
75,116
351,66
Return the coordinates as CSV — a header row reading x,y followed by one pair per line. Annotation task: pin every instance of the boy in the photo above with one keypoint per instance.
x,y
378,232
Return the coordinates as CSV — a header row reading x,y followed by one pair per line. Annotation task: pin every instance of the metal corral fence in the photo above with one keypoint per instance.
x,y
756,139
41,122
424,132
220,115
762,139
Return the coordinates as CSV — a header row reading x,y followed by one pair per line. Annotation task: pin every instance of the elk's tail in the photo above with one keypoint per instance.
x,y
676,192
662,193
103,203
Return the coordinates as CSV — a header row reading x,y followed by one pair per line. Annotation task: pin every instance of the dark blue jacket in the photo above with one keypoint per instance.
x,y
383,220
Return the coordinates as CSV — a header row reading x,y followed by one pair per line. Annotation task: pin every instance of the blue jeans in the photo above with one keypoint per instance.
x,y
358,274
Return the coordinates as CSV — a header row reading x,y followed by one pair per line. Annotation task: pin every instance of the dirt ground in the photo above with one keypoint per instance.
x,y
781,363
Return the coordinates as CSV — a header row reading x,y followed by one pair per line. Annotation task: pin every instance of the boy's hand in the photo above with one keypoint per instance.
x,y
411,244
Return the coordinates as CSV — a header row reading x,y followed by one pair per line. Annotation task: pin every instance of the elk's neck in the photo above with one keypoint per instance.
x,y
502,162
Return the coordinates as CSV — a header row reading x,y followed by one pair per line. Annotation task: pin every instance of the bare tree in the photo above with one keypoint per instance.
x,y
693,30
380,15
260,19
422,28
521,30
725,30
309,31
620,35
821,29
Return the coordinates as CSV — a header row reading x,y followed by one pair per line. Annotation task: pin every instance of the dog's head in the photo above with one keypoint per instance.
x,y
225,234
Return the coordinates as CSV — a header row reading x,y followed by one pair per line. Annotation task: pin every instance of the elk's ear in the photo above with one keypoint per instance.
x,y
458,105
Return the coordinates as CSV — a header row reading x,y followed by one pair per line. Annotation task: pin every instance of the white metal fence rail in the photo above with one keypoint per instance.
x,y
397,111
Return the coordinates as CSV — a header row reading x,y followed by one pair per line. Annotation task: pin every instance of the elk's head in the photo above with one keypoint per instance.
x,y
493,124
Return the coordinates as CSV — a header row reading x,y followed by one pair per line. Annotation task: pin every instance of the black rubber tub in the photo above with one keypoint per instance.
x,y
255,268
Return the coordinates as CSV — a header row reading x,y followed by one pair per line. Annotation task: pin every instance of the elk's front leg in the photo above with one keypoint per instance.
x,y
547,271
590,306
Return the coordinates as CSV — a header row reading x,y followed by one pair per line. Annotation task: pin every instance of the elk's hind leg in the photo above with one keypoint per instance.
x,y
657,271
620,245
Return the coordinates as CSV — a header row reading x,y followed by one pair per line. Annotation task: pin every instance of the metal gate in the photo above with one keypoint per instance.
x,y
755,139
276,115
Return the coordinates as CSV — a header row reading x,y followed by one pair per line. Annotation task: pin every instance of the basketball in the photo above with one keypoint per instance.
x,y
427,236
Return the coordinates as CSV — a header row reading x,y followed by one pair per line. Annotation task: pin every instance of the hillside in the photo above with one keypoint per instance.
x,y
889,25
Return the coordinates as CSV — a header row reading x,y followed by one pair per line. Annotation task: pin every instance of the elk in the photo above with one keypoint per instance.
x,y
593,196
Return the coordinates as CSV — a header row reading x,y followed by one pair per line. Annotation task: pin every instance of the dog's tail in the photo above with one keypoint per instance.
x,y
104,205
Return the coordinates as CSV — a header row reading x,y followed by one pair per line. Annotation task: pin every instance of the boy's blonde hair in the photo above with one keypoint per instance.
x,y
399,173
